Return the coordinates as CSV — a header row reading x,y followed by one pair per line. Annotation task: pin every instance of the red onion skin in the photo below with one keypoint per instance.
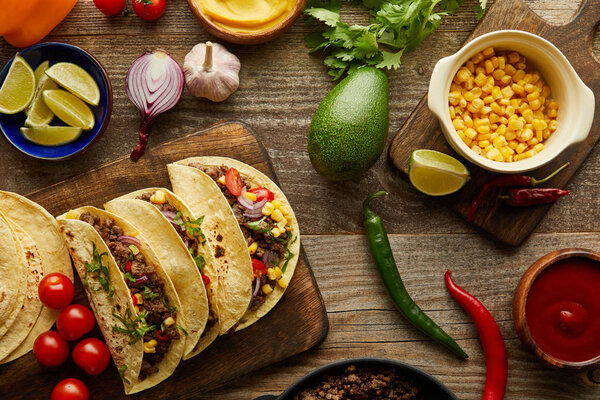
x,y
129,240
256,287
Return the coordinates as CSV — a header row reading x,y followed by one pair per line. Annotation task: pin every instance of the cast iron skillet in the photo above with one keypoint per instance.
x,y
433,389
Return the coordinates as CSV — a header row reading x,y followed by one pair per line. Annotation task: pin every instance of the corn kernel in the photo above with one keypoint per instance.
x,y
221,180
476,149
480,79
271,274
553,125
494,154
136,309
169,321
507,92
553,105
515,125
470,66
533,95
282,283
510,70
510,110
533,141
528,115
538,147
518,89
494,118
268,208
489,67
278,273
514,57
158,197
499,142
470,133
266,289
539,135
530,153
134,249
489,99
513,144
482,136
518,75
526,135
488,52
148,348
277,215
253,247
488,148
251,196
539,125
477,58
468,120
498,74
552,113
139,298
535,104
546,91
521,148
483,129
72,215
506,152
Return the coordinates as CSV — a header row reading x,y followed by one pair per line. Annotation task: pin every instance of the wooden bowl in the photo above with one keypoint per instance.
x,y
245,37
520,301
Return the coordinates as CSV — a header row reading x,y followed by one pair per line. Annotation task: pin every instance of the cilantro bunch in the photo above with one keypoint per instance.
x,y
397,26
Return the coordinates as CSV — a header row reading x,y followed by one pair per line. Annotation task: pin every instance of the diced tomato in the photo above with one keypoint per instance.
x,y
161,336
127,266
134,300
233,182
262,193
259,268
205,279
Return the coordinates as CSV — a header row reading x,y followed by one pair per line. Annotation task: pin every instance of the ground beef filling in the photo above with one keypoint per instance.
x,y
191,244
362,383
155,302
264,241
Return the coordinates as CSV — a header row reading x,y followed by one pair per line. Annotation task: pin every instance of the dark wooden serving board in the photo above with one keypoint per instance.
x,y
296,324
422,129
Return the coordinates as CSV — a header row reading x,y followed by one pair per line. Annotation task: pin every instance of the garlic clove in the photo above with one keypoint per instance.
x,y
211,71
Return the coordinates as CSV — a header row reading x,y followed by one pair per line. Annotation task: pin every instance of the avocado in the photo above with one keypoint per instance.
x,y
349,129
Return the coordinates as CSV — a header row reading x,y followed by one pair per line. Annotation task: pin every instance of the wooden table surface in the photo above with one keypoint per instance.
x,y
281,86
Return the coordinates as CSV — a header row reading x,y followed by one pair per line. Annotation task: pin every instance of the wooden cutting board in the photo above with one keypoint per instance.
x,y
422,129
296,324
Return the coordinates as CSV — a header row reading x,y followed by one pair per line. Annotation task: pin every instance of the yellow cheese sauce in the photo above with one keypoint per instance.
x,y
246,15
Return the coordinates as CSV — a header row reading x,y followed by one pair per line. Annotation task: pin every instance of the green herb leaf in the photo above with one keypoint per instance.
x,y
122,370
324,15
136,327
99,271
390,60
181,329
149,294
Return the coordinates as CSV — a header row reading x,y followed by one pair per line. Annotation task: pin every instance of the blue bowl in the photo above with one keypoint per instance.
x,y
10,125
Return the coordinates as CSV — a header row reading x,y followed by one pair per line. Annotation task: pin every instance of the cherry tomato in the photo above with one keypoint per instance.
x,y
110,7
50,349
70,389
161,336
149,10
92,355
258,267
233,182
56,290
262,193
74,321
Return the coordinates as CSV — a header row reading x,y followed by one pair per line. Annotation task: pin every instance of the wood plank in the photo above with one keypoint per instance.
x,y
297,323
363,320
422,129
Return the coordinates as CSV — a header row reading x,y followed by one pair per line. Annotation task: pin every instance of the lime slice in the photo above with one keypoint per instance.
x,y
435,173
18,87
69,108
38,113
39,71
51,135
76,80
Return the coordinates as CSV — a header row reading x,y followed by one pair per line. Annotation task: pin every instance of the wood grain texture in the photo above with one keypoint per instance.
x,y
297,323
422,129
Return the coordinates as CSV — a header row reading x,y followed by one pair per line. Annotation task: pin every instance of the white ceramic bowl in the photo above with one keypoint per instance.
x,y
575,99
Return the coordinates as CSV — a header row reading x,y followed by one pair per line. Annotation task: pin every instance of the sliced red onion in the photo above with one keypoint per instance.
x,y
141,281
129,240
269,258
244,200
256,211
154,84
169,214
256,286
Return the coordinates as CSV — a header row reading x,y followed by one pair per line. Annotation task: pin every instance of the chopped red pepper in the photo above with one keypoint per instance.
x,y
205,279
134,299
161,336
262,193
233,182
259,268
127,266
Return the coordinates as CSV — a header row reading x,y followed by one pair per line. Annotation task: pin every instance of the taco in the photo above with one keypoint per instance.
x,y
175,234
136,305
49,249
253,211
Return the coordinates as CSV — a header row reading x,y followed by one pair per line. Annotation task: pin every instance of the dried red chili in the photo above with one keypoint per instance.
x,y
496,362
533,197
507,181
161,336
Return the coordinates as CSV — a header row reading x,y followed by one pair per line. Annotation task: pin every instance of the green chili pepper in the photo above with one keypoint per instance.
x,y
386,266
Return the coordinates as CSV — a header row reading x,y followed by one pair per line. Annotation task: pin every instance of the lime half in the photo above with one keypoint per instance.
x,y
76,80
18,87
69,108
51,135
435,173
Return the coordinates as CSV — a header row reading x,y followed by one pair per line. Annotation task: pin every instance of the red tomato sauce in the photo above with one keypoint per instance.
x,y
563,310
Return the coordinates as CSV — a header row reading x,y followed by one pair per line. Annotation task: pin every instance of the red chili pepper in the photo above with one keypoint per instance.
x,y
206,280
134,299
127,266
259,268
496,362
533,197
161,336
507,181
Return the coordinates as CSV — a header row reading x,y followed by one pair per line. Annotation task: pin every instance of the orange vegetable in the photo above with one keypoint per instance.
x,y
31,20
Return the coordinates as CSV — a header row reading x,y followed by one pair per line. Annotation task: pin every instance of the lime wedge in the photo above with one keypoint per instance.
x,y
69,108
39,71
38,113
18,87
435,173
51,135
76,80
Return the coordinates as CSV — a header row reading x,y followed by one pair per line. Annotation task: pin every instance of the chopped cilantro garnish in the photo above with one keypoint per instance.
x,y
129,277
122,370
198,259
100,270
193,228
136,327
181,329
149,294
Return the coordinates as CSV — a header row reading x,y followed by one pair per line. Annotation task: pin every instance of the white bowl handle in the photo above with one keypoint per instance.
x,y
586,114
437,96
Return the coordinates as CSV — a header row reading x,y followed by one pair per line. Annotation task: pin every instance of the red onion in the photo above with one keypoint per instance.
x,y
154,84
141,281
245,201
129,240
256,286
169,214
269,258
256,210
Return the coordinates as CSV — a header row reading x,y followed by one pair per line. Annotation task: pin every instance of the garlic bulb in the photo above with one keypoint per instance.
x,y
211,71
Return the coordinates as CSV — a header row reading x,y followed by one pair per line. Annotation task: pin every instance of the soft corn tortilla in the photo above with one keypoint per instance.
x,y
13,271
42,228
79,236
31,307
204,197
177,261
